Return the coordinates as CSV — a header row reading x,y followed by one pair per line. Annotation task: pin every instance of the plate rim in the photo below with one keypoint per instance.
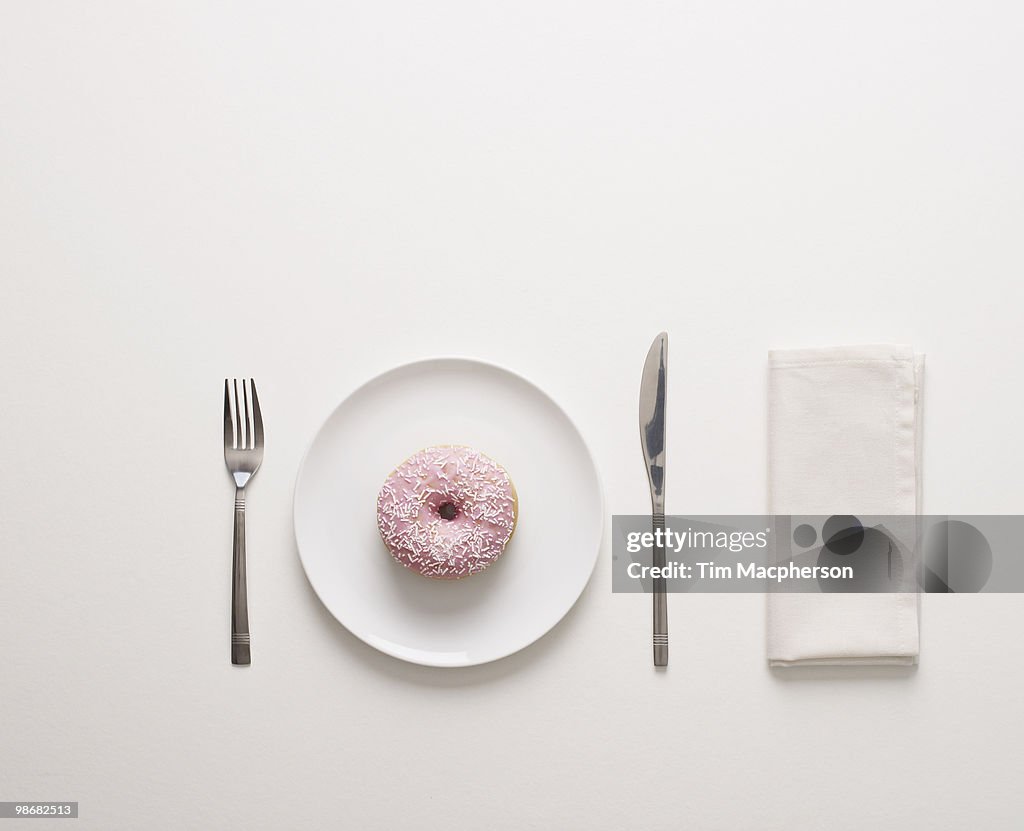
x,y
467,360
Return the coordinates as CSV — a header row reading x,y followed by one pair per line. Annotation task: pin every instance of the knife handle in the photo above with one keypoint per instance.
x,y
660,596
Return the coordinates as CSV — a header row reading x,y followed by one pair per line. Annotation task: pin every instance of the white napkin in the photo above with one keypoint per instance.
x,y
844,438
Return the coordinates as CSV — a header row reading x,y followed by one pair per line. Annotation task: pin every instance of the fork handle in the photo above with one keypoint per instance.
x,y
239,599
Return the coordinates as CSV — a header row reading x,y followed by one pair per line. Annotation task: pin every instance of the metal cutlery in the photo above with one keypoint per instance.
x,y
243,454
652,439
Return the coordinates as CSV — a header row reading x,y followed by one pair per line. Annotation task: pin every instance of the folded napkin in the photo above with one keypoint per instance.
x,y
844,438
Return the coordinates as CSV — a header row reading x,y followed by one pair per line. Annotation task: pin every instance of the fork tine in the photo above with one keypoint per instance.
x,y
257,417
239,433
245,414
229,435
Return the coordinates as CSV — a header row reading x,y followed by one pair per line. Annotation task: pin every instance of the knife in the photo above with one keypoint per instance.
x,y
652,439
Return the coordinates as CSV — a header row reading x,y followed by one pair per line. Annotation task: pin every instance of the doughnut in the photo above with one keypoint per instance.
x,y
447,512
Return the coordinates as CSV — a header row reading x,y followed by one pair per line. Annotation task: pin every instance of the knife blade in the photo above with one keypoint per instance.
x,y
653,384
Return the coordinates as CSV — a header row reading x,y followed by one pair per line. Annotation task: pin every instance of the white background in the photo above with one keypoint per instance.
x,y
313,192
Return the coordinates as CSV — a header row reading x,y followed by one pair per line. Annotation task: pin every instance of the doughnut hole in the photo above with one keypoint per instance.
x,y
442,504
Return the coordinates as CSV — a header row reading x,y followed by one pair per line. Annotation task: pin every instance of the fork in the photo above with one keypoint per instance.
x,y
243,454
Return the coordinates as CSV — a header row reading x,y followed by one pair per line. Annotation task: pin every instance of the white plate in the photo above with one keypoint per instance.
x,y
479,618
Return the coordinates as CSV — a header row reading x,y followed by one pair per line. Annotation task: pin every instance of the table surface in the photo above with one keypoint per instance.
x,y
311,193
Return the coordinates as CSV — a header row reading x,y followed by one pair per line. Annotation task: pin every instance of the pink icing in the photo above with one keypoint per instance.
x,y
416,500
